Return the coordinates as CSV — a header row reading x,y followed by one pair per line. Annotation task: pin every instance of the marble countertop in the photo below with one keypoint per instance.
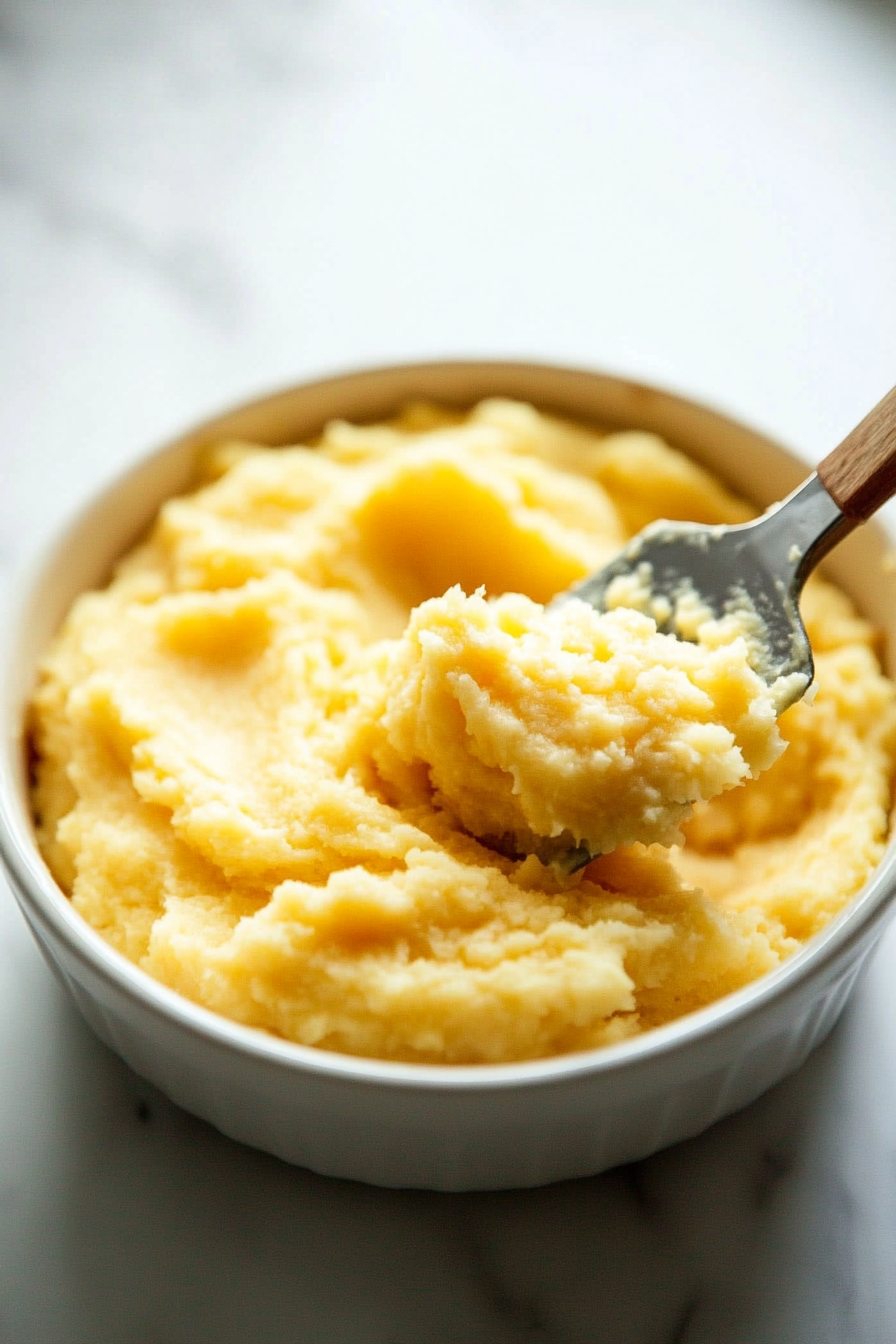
x,y
199,202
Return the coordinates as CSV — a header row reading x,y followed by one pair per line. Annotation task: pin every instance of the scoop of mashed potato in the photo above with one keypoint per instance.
x,y
315,755
565,729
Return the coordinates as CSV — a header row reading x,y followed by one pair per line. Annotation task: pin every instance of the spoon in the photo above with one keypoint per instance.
x,y
758,569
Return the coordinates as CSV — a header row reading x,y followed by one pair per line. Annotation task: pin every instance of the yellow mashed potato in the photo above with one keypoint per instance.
x,y
320,759
552,731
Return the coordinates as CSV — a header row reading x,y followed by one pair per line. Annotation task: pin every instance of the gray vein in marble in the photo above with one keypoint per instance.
x,y
776,1164
219,41
834,1261
189,264
510,1303
681,1329
167,112
636,1176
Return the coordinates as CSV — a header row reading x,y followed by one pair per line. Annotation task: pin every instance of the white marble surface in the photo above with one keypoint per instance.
x,y
199,201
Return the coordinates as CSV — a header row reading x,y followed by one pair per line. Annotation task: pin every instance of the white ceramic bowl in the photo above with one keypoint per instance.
x,y
447,1128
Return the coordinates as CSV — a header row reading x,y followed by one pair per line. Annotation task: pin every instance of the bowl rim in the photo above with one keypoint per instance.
x,y
47,906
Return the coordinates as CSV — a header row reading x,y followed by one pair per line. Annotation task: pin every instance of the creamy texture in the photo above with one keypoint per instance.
x,y
307,757
560,729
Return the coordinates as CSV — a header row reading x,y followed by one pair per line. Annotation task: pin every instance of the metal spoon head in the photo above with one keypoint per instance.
x,y
681,573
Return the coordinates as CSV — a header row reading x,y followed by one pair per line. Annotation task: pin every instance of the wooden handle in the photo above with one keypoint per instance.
x,y
860,475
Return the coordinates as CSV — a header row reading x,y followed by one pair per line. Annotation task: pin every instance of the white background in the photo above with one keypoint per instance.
x,y
199,201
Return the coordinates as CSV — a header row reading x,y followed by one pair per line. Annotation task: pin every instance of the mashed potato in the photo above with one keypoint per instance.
x,y
320,758
566,730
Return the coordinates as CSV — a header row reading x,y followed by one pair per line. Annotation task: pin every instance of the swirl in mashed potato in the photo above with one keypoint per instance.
x,y
318,756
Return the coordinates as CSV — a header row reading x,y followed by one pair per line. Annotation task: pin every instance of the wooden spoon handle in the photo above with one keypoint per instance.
x,y
860,475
